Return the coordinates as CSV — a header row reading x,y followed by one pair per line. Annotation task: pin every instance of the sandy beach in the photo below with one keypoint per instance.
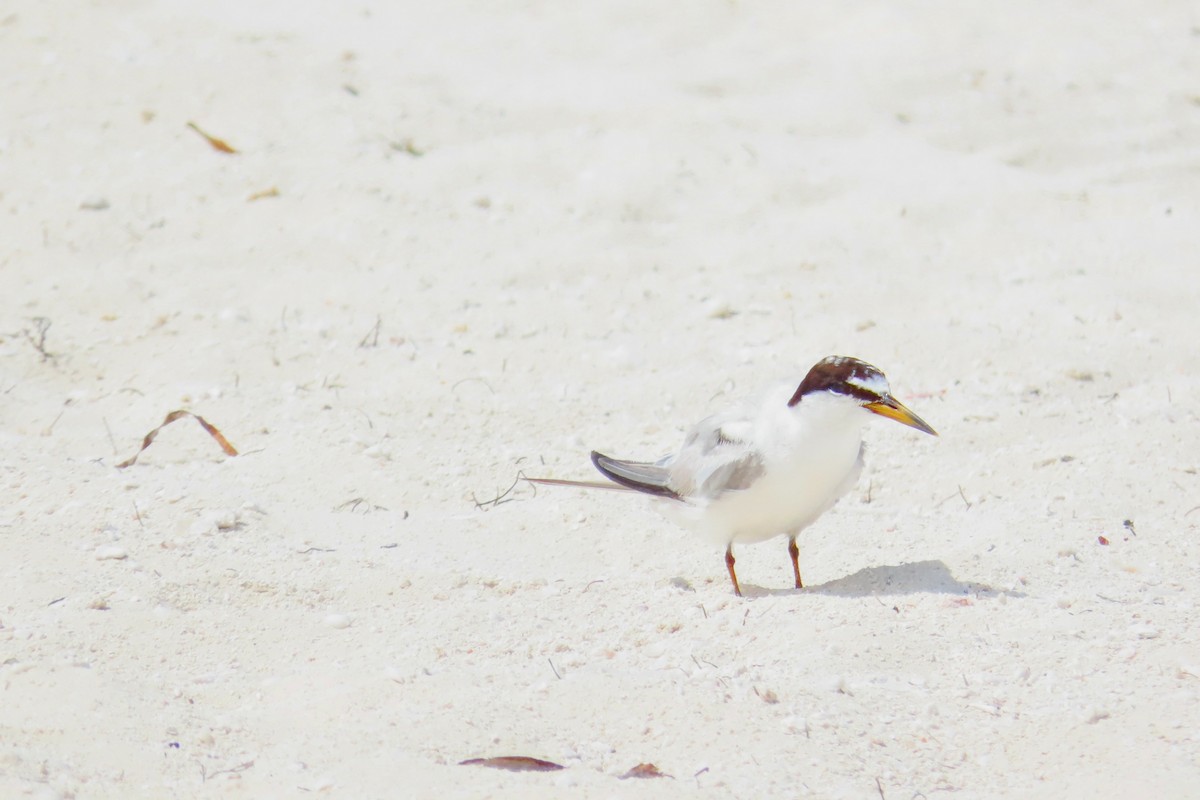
x,y
401,254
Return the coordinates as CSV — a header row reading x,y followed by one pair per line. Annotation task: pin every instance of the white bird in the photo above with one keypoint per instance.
x,y
770,467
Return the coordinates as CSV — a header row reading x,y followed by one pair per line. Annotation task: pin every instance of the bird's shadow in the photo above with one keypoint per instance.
x,y
918,577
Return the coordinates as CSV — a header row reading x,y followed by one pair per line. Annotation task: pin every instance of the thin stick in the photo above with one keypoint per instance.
x,y
38,340
220,145
372,337
484,505
111,440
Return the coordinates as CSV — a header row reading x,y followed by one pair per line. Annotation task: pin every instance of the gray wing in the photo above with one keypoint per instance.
x,y
716,457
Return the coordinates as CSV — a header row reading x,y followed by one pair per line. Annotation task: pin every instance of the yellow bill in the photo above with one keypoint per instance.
x,y
893,409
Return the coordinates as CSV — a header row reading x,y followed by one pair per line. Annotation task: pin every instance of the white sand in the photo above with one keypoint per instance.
x,y
622,216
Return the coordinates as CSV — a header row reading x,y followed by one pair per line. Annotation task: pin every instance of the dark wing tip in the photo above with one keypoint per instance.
x,y
624,473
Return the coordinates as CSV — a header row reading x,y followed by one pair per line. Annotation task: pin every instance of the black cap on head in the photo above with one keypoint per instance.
x,y
843,375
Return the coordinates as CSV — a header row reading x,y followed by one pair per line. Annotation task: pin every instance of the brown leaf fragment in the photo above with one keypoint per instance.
x,y
272,192
646,770
514,764
174,415
220,145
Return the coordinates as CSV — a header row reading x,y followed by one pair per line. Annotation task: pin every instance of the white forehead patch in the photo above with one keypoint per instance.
x,y
872,382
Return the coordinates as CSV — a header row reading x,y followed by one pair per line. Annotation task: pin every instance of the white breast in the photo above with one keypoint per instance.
x,y
812,458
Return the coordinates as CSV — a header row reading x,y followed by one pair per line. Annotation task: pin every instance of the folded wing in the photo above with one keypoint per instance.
x,y
641,476
715,458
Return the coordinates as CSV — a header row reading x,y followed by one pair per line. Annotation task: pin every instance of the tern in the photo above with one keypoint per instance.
x,y
769,467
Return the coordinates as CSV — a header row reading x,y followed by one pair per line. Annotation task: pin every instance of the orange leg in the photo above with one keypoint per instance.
x,y
794,552
729,562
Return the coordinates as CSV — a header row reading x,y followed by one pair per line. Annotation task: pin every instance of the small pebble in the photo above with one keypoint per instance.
x,y
654,650
225,520
110,552
795,724
717,309
337,621
378,451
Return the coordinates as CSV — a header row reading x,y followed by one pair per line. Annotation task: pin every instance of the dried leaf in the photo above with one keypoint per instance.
x,y
645,771
272,192
220,145
174,415
514,764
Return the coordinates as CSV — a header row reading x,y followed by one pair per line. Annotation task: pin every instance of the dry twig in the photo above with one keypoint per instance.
x,y
372,337
220,145
205,774
501,497
37,337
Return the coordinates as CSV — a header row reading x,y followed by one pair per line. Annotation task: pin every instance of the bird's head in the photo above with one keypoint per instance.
x,y
858,382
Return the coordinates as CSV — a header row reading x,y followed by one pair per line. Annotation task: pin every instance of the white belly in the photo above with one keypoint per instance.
x,y
788,498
